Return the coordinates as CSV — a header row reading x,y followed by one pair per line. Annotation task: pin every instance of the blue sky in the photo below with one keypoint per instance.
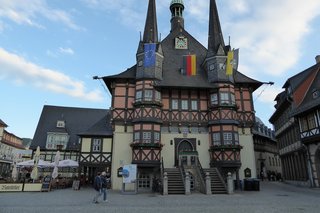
x,y
50,49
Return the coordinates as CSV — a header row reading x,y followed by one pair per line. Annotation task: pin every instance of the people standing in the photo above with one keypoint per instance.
x,y
262,175
104,186
97,184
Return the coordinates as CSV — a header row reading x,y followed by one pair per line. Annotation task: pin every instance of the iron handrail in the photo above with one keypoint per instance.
x,y
202,175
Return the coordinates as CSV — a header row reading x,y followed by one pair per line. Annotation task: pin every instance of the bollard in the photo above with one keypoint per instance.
x,y
187,189
230,183
165,184
208,184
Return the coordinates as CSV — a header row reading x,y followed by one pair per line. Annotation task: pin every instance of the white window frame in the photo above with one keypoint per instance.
x,y
156,137
54,139
174,104
194,105
184,105
311,121
216,138
60,124
138,95
146,137
233,99
224,98
148,95
236,138
157,95
227,138
136,137
96,144
214,99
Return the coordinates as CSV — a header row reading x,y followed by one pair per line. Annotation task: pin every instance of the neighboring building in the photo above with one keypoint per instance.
x,y
10,146
96,149
59,128
266,152
179,101
297,125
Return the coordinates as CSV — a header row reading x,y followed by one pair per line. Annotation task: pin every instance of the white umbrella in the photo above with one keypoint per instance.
x,y
30,163
56,164
34,173
68,163
14,174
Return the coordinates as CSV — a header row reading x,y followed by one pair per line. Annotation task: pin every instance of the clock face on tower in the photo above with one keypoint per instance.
x,y
181,42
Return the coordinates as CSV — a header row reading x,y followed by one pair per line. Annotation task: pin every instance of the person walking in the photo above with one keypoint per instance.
x,y
104,186
97,184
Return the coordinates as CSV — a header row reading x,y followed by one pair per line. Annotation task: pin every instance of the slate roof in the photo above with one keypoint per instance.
x,y
77,120
296,80
3,123
173,62
102,128
309,102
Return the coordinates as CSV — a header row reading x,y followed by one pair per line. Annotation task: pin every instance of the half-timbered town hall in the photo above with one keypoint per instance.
x,y
182,106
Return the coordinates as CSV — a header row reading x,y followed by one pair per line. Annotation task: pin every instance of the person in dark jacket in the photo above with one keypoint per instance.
x,y
104,186
97,184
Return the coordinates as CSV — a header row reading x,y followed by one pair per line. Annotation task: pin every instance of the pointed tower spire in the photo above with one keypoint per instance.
x,y
151,29
217,51
149,55
215,39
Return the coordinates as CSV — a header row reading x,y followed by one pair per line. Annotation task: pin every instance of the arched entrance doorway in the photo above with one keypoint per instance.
x,y
182,145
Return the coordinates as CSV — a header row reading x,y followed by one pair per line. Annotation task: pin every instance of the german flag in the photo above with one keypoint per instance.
x,y
190,64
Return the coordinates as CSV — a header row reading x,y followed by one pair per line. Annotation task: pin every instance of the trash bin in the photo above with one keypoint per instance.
x,y
237,185
256,185
248,184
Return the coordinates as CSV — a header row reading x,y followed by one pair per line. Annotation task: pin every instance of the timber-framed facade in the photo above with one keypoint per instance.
x,y
163,109
297,125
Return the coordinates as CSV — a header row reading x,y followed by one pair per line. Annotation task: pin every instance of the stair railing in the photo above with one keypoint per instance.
x,y
221,178
183,174
201,175
161,175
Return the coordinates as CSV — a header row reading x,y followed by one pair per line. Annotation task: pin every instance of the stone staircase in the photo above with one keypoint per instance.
x,y
175,181
217,184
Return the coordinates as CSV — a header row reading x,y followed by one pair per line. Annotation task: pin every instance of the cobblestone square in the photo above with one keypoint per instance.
x,y
273,197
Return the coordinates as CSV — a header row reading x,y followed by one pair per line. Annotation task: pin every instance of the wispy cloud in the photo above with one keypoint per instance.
x,y
27,12
21,71
270,35
267,93
60,51
67,51
1,26
131,13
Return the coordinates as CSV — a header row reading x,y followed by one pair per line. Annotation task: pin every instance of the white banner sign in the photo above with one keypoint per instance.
x,y
129,173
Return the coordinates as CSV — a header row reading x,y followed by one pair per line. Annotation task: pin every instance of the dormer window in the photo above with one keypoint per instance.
x,y
56,140
315,94
61,124
289,90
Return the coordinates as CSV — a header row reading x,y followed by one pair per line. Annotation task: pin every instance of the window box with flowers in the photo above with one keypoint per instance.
x,y
228,147
155,145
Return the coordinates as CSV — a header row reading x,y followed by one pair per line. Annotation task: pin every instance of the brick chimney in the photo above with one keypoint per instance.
x,y
318,59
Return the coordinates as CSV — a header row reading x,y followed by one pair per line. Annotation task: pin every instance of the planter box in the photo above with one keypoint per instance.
x,y
32,187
